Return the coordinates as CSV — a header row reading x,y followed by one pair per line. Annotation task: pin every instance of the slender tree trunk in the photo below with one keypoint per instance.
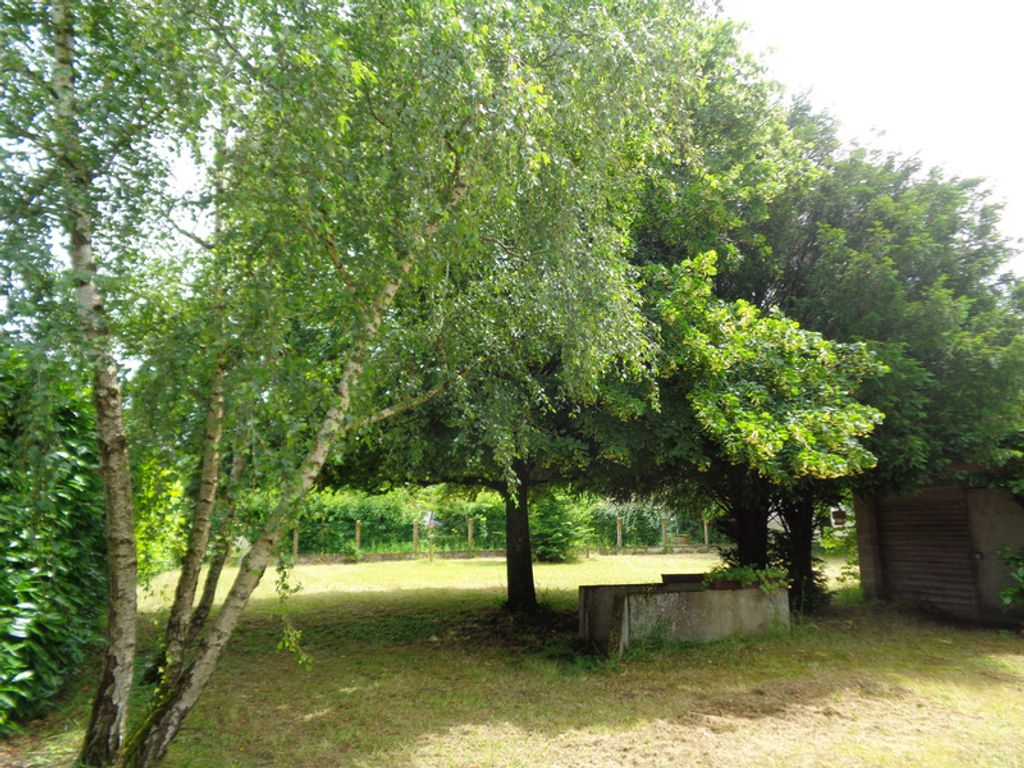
x,y
105,731
149,744
522,595
199,534
170,707
221,552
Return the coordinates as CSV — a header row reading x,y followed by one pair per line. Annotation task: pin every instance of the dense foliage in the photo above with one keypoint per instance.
x,y
858,247
52,579
1014,594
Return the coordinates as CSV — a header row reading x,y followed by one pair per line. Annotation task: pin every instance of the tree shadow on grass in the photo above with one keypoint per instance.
x,y
395,675
443,676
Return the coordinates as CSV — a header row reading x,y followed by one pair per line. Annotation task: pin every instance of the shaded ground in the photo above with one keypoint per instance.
x,y
432,673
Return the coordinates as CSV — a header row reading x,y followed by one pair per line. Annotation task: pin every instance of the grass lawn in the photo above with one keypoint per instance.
x,y
413,664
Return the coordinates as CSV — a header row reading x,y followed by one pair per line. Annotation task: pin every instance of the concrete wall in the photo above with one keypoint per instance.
x,y
614,617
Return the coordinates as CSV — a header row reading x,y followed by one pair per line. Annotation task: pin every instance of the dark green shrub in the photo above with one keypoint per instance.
x,y
559,526
52,583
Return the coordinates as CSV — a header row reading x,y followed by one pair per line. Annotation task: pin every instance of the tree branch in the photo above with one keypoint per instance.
x,y
400,408
206,244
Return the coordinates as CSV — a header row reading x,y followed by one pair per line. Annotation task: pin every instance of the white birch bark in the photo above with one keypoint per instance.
x,y
106,729
221,553
199,533
149,743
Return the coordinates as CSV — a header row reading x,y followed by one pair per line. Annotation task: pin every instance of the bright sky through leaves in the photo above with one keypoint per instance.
x,y
941,79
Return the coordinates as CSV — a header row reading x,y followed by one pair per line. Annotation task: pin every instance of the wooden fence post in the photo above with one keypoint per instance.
x,y
295,544
618,532
359,534
664,532
707,534
415,538
469,533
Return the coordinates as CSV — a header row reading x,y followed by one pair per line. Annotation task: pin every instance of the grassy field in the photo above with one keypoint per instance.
x,y
414,664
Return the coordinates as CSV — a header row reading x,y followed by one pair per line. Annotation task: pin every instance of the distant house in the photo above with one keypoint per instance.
x,y
939,550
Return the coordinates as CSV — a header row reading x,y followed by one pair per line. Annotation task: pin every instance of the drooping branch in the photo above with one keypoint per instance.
x,y
176,698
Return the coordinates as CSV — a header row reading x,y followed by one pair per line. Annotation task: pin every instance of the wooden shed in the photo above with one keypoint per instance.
x,y
939,550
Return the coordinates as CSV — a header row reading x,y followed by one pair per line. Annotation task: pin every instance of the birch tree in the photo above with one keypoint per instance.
x,y
86,92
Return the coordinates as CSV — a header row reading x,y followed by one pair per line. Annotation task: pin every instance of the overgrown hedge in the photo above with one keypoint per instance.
x,y
52,583
328,521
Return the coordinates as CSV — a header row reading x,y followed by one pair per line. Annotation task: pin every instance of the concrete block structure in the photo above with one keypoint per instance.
x,y
614,617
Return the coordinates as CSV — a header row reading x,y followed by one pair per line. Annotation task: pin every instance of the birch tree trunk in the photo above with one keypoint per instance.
x,y
106,728
149,744
172,704
221,553
199,534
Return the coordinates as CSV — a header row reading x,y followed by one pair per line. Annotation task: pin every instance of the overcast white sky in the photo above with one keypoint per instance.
x,y
942,79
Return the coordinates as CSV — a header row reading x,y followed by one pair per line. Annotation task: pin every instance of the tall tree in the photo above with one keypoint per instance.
x,y
747,402
87,87
385,150
878,249
864,247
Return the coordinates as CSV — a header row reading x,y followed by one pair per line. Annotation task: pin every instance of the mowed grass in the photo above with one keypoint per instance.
x,y
414,664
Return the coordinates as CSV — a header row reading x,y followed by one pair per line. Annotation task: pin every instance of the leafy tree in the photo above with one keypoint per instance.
x,y
876,249
88,87
866,248
506,430
748,404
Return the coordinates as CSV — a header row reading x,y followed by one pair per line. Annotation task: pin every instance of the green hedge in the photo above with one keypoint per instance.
x,y
52,583
560,523
328,521
641,524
